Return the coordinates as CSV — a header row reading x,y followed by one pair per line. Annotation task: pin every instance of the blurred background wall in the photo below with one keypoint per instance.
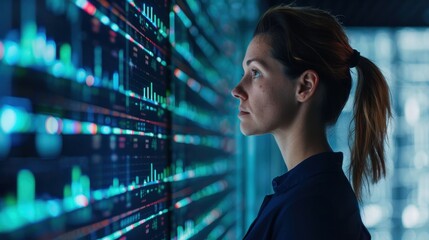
x,y
395,35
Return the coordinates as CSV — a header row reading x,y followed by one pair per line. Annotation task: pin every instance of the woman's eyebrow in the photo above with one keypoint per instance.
x,y
259,60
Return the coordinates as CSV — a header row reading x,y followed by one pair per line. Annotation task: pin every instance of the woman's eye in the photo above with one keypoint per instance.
x,y
255,73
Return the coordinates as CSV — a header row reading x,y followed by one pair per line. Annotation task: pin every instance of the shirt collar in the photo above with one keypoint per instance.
x,y
322,162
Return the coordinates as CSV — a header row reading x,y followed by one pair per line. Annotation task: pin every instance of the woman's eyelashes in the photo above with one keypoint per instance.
x,y
255,73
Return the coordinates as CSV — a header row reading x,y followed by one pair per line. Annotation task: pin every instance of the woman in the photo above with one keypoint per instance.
x,y
296,82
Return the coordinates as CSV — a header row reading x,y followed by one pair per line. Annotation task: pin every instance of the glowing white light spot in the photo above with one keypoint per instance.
x,y
421,159
92,128
51,125
81,200
372,215
410,216
412,111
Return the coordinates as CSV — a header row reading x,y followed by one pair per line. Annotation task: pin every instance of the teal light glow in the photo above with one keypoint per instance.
x,y
50,53
8,118
66,59
105,20
194,5
71,127
201,117
206,93
58,69
28,34
80,75
39,46
211,75
48,145
25,188
80,3
53,207
105,130
182,16
11,52
206,140
114,27
117,130
14,120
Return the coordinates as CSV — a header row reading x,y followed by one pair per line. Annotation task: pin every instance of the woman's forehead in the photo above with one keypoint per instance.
x,y
259,51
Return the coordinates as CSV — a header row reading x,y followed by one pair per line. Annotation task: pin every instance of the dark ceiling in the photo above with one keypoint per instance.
x,y
387,13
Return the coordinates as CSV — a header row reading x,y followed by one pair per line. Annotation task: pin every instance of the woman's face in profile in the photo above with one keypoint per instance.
x,y
266,94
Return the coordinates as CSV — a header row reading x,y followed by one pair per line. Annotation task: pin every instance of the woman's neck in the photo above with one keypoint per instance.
x,y
300,142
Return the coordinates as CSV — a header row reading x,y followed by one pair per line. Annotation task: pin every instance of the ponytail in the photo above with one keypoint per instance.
x,y
370,116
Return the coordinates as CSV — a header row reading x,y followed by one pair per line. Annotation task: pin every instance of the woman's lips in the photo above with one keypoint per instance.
x,y
243,113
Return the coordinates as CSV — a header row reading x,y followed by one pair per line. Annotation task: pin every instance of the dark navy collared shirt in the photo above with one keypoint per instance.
x,y
314,200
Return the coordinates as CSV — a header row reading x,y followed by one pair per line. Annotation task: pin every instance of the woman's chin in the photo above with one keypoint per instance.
x,y
246,131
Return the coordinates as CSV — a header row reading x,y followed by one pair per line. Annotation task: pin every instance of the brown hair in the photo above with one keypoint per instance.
x,y
304,38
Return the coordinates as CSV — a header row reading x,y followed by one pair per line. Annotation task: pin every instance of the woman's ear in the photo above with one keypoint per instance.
x,y
306,85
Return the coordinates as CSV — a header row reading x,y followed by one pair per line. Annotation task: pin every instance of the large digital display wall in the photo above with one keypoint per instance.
x,y
204,193
113,122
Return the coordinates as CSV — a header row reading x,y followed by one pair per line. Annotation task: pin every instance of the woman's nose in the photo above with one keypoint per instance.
x,y
238,92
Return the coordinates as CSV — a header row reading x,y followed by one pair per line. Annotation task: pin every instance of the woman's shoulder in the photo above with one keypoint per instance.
x,y
327,185
325,218
328,193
